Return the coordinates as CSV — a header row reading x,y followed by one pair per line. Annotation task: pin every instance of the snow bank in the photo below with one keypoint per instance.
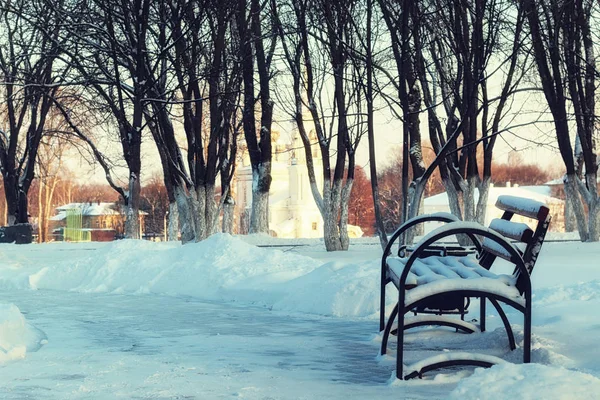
x,y
17,336
221,267
527,381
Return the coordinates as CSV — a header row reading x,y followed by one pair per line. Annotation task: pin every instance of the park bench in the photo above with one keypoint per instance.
x,y
436,279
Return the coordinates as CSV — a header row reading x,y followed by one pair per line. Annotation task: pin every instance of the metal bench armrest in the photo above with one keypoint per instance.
x,y
420,219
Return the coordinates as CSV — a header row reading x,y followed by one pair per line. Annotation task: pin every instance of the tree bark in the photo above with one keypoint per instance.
x,y
484,191
173,222
572,196
345,198
259,216
593,207
132,213
228,212
184,214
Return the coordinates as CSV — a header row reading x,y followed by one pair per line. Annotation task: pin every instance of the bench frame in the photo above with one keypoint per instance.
x,y
524,262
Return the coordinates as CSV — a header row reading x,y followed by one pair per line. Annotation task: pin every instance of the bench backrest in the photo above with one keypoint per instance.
x,y
520,232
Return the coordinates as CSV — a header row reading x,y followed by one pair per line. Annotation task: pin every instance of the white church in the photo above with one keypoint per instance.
x,y
292,209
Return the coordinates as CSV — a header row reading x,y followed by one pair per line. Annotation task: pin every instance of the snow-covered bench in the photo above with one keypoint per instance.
x,y
422,277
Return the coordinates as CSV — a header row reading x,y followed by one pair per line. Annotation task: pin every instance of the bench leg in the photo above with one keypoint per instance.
x,y
382,306
527,339
400,335
482,314
388,329
507,327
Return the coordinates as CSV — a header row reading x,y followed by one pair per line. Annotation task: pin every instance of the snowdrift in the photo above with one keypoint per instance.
x,y
17,336
527,382
223,268
227,268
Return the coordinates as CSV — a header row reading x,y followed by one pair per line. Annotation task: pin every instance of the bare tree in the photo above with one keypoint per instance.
x,y
195,46
455,46
49,168
255,44
30,77
107,59
562,39
368,38
317,39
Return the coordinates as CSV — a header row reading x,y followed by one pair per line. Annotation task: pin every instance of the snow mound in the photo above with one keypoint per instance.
x,y
17,336
582,291
527,381
335,288
202,269
222,268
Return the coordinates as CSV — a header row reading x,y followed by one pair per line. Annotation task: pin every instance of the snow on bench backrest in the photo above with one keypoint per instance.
x,y
514,230
496,249
526,207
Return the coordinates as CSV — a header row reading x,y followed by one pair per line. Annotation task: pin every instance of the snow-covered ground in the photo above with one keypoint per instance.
x,y
226,319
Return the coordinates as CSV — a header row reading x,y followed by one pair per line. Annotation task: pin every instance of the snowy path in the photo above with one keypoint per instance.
x,y
118,346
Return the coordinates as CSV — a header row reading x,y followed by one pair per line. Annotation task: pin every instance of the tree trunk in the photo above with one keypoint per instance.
x,y
23,207
572,196
469,199
415,198
259,213
345,198
132,217
184,213
331,231
594,221
197,201
593,208
570,225
259,217
228,209
173,222
211,211
11,208
48,206
41,232
453,200
484,191
331,226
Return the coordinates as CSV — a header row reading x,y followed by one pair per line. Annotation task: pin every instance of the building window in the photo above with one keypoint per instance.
x,y
314,226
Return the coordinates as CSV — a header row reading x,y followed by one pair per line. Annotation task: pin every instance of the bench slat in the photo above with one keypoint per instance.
x,y
496,249
526,207
514,230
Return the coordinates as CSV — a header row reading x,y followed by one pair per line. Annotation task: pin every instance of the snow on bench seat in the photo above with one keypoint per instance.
x,y
436,275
